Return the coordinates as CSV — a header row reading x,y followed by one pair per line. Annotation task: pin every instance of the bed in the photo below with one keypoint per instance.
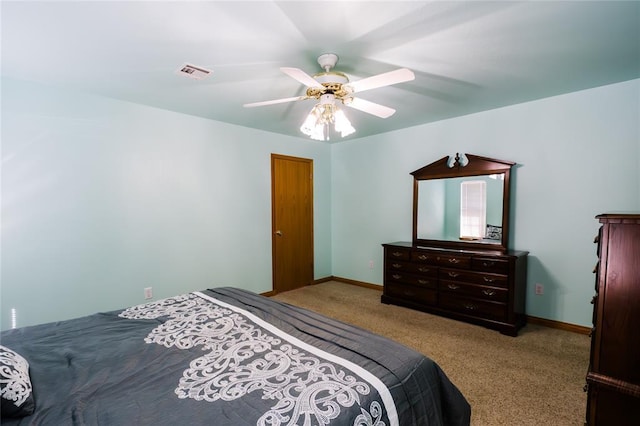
x,y
221,356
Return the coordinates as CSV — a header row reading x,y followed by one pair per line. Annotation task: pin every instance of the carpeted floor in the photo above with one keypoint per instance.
x,y
536,378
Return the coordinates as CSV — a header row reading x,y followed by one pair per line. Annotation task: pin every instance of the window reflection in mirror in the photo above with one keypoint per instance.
x,y
473,210
440,210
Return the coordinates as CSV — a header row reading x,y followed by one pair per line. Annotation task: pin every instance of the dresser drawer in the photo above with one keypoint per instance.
x,y
425,257
425,270
492,310
414,268
489,264
394,265
411,293
422,281
454,261
495,294
484,278
481,286
393,253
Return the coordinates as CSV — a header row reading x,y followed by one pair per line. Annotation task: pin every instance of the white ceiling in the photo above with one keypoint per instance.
x,y
467,56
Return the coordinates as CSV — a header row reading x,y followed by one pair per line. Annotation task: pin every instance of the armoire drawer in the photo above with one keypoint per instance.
x,y
411,293
493,310
484,278
495,294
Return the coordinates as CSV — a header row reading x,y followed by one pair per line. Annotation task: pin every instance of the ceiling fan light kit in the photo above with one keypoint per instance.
x,y
323,114
330,85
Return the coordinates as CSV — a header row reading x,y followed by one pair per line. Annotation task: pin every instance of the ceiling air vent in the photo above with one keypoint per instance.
x,y
197,73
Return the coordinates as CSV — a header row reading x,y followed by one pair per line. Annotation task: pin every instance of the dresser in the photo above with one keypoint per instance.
x,y
481,287
613,378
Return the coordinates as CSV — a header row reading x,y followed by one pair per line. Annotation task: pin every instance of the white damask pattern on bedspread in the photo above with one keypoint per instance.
x,y
244,355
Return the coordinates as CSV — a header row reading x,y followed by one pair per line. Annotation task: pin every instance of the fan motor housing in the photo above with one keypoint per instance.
x,y
333,82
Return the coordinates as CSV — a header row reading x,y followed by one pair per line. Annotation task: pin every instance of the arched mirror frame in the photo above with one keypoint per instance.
x,y
453,168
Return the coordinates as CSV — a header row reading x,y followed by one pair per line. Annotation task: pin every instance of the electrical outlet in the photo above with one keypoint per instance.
x,y
148,293
371,264
539,289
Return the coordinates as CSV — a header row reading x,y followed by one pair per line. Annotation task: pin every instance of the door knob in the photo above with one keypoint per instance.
x,y
279,233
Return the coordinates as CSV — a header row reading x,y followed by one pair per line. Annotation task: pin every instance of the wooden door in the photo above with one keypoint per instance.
x,y
292,222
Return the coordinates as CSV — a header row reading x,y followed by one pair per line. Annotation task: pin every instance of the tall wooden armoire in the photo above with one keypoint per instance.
x,y
613,379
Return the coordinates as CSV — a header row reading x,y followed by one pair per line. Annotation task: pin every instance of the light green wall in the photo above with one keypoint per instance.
x,y
577,156
101,198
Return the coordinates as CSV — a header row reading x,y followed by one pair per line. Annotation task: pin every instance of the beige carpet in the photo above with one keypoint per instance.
x,y
533,379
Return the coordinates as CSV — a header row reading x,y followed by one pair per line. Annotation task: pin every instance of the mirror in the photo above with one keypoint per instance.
x,y
462,202
439,208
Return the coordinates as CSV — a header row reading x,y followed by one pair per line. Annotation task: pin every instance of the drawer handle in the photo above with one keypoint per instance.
x,y
593,300
453,260
396,265
470,306
453,286
423,257
423,269
453,274
423,282
396,276
408,293
488,279
488,292
488,264
595,268
396,253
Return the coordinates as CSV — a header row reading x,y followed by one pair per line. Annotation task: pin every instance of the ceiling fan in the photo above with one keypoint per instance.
x,y
330,86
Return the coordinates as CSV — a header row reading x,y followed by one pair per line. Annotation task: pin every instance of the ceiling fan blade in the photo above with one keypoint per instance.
x,y
371,108
385,79
302,77
275,101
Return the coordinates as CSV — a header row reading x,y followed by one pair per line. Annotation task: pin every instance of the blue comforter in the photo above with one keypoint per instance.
x,y
227,356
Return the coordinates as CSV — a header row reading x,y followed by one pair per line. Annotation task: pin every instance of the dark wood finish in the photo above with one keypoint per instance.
x,y
476,166
481,287
613,379
529,319
476,282
292,222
